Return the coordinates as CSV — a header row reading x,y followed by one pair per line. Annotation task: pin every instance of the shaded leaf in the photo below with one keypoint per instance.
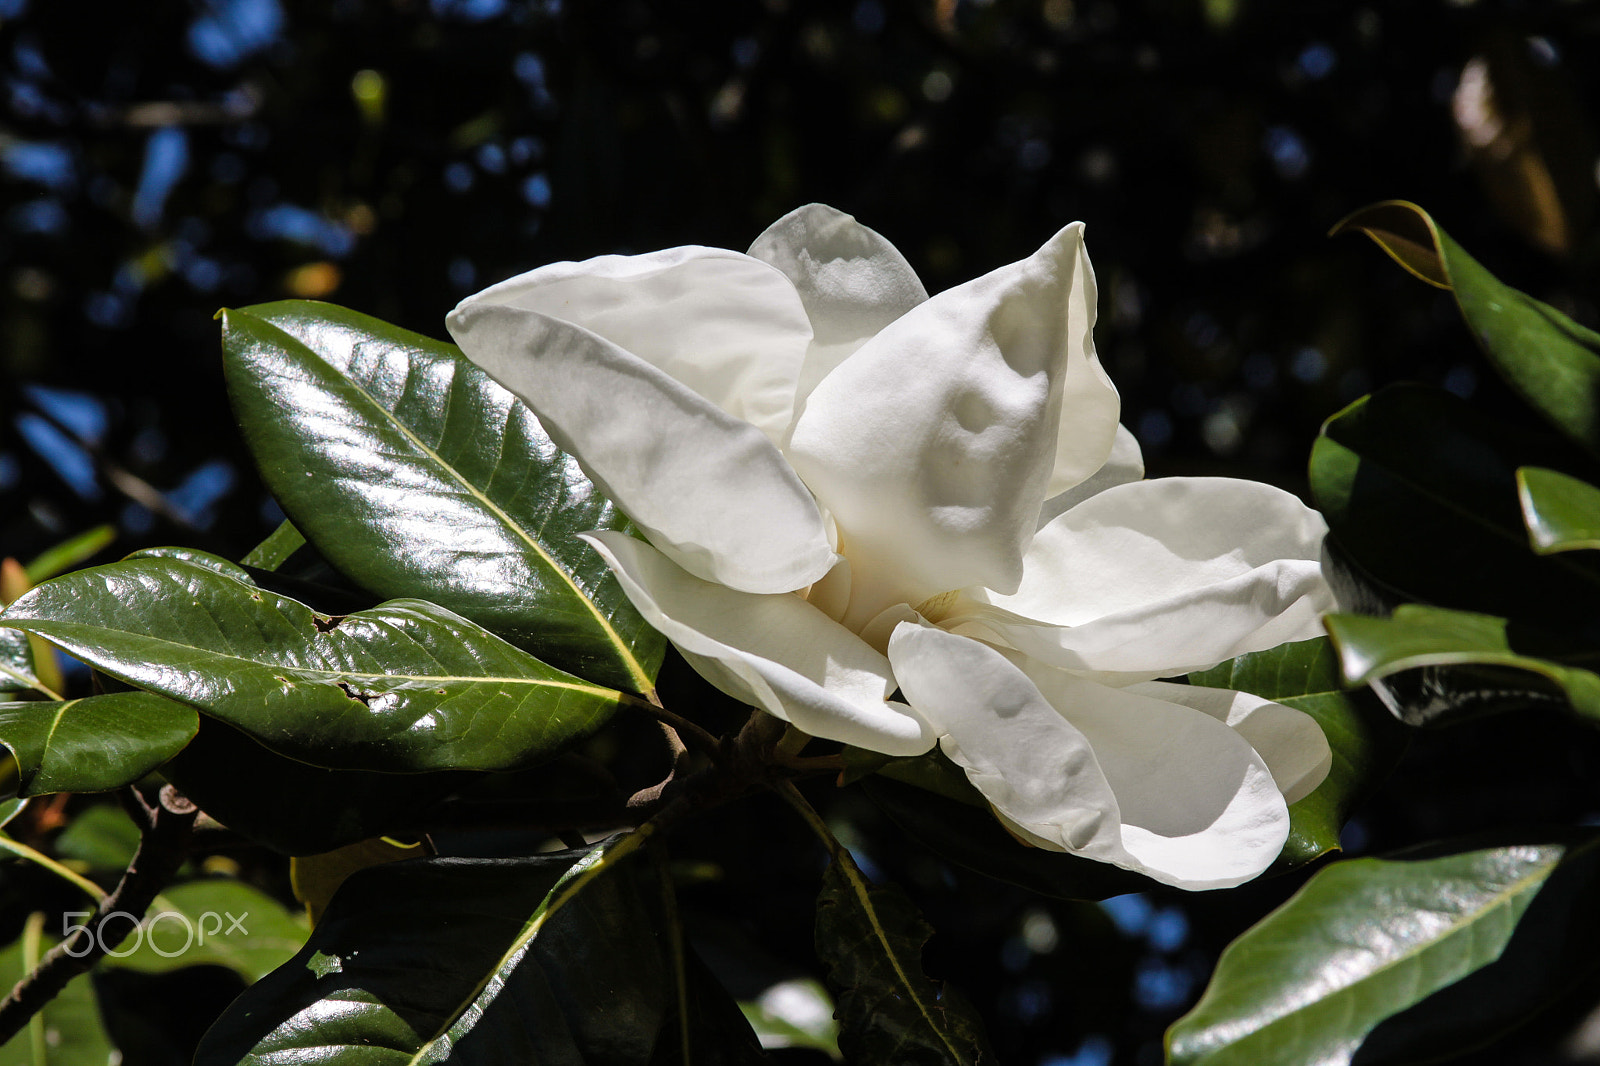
x,y
295,808
551,958
871,939
406,686
101,837
315,878
1419,636
1367,962
418,475
1420,489
68,1031
1366,739
930,798
95,744
1562,512
214,922
1552,361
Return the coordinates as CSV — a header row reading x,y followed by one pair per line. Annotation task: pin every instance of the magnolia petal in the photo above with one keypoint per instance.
x,y
710,490
1101,772
1090,406
851,280
1289,741
1030,763
1155,578
728,326
777,651
932,444
1124,464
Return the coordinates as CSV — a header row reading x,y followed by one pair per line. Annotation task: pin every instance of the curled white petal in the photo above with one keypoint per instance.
x,y
708,489
932,445
1156,578
777,652
851,281
1124,464
1102,772
728,326
1289,741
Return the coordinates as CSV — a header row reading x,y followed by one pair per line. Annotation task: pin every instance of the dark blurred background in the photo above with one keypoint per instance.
x,y
159,160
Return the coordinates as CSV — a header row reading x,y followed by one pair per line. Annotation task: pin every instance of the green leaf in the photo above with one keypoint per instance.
x,y
1402,960
1366,739
871,939
1420,490
16,665
794,1013
1562,513
406,686
552,958
95,744
276,549
70,553
1419,636
295,808
101,837
68,1031
1552,361
214,922
418,475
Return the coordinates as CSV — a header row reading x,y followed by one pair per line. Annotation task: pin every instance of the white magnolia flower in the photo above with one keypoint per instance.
x,y
849,487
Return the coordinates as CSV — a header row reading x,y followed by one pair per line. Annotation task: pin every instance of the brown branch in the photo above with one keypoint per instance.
x,y
686,730
163,844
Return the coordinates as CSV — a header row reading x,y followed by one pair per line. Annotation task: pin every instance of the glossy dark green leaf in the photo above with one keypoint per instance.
x,y
1562,512
1366,739
554,958
1421,490
292,807
95,744
16,665
930,798
1402,960
1417,636
214,922
871,939
406,686
418,475
68,1031
1546,356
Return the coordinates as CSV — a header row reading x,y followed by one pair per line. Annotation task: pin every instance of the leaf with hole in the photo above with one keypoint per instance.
x,y
418,475
871,939
404,687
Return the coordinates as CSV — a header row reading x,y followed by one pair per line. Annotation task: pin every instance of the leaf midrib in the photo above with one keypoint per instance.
x,y
597,690
1499,900
635,669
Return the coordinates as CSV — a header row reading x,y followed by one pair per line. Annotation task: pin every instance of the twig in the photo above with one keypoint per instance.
x,y
685,729
162,847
